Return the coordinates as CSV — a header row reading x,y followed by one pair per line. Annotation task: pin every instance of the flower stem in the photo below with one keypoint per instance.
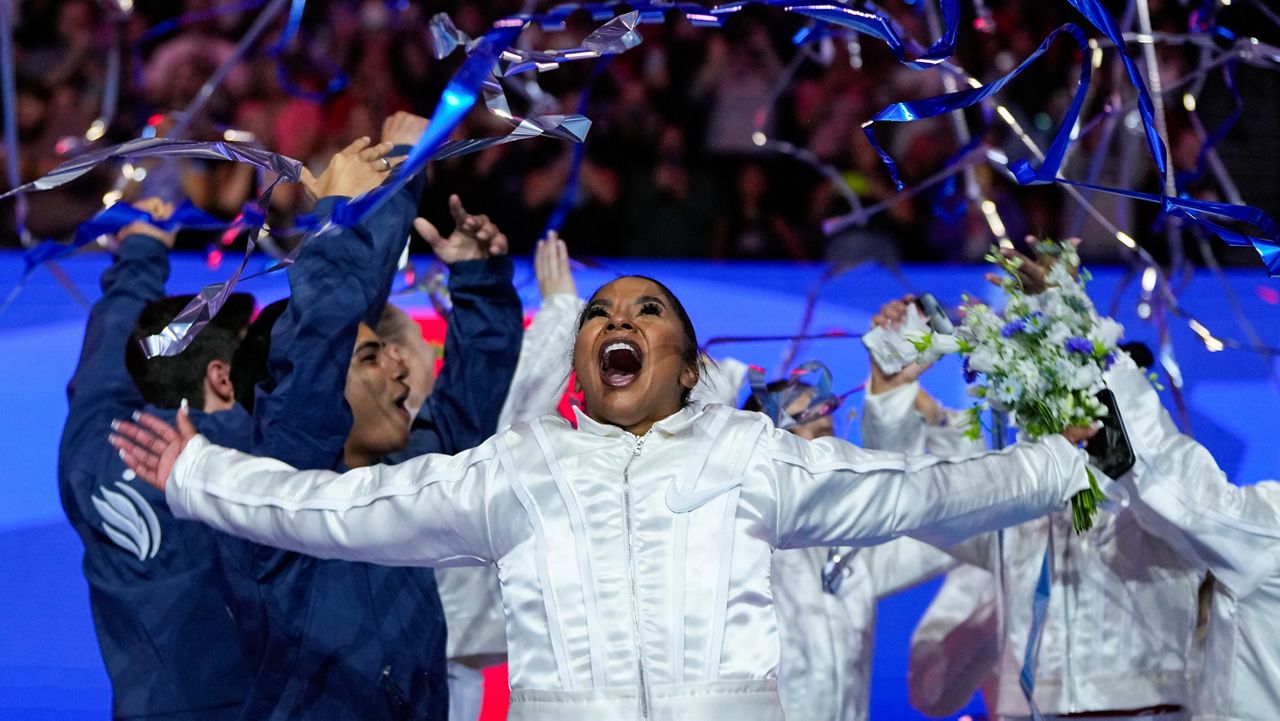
x,y
1084,505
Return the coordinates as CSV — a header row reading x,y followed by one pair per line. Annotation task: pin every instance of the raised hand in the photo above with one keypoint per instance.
x,y
354,170
403,128
890,317
1031,271
150,446
1079,434
474,237
159,211
551,263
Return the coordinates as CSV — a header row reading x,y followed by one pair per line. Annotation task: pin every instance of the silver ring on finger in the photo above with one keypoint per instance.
x,y
386,164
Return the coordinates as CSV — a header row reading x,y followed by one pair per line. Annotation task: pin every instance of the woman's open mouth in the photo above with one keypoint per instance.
x,y
620,363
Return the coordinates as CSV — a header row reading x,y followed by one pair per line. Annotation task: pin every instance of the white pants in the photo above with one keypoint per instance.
x,y
466,692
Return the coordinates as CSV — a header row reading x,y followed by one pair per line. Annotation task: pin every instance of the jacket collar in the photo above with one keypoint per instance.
x,y
670,425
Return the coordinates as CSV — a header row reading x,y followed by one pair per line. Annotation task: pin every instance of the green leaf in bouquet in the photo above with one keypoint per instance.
x,y
1084,505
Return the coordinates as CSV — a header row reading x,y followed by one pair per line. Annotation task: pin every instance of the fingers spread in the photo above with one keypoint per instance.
x,y
162,430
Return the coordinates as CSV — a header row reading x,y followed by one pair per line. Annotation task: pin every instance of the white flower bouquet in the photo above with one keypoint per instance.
x,y
1041,359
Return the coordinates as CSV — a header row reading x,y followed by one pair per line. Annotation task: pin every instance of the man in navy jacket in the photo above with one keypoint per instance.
x,y
152,578
333,639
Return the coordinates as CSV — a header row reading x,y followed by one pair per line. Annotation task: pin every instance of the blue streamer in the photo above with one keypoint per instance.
x,y
111,220
1039,609
293,28
7,85
1266,243
905,112
567,197
459,95
880,26
1186,178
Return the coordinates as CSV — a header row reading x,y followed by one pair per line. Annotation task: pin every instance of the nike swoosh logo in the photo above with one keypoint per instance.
x,y
685,502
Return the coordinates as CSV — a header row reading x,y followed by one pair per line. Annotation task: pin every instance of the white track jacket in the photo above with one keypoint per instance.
x,y
634,570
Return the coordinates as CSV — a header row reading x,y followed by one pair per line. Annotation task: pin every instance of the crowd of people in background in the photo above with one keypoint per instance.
x,y
673,167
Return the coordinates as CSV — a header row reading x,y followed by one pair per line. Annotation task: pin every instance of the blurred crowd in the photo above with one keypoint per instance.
x,y
683,158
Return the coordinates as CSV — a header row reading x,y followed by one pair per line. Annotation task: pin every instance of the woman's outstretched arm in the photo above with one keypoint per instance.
x,y
429,511
830,492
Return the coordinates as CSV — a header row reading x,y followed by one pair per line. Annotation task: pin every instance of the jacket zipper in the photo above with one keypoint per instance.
x,y
631,577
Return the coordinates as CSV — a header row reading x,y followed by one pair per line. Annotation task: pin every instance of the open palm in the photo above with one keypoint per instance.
x,y
150,447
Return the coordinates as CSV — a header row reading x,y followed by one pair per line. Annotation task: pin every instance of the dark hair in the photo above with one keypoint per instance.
x,y
165,380
1139,352
691,355
249,367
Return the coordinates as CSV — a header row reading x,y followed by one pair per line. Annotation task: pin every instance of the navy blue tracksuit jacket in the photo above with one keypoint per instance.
x,y
334,639
166,637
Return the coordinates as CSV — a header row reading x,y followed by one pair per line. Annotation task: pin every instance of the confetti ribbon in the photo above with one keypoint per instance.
x,y
293,27
112,219
459,96
1267,243
569,195
8,82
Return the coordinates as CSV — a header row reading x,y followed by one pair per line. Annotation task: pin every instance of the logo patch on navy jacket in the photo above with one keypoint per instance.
x,y
129,520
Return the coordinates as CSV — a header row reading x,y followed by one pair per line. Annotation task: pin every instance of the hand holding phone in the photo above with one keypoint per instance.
x,y
1109,448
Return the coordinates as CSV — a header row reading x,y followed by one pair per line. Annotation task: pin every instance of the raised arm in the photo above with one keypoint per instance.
x,y
482,342
432,510
1183,496
389,226
832,493
300,413
543,369
136,277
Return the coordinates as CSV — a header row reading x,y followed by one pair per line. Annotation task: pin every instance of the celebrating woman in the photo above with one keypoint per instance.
x,y
633,551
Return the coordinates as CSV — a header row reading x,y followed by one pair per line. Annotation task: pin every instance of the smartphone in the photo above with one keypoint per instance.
x,y
1109,448
936,315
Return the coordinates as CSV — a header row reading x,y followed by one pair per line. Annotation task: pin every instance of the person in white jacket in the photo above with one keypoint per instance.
x,y
1232,531
471,595
1121,613
632,551
827,622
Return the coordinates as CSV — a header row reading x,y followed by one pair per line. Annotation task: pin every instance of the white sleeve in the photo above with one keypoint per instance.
x,y
905,562
1183,496
890,421
1231,530
721,382
949,439
832,493
545,359
430,510
955,647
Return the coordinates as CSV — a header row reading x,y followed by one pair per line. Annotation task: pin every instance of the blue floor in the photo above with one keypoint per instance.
x,y
49,663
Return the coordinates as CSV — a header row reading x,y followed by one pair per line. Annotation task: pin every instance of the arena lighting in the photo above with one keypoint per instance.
x,y
96,131
1210,342
997,225
1149,278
